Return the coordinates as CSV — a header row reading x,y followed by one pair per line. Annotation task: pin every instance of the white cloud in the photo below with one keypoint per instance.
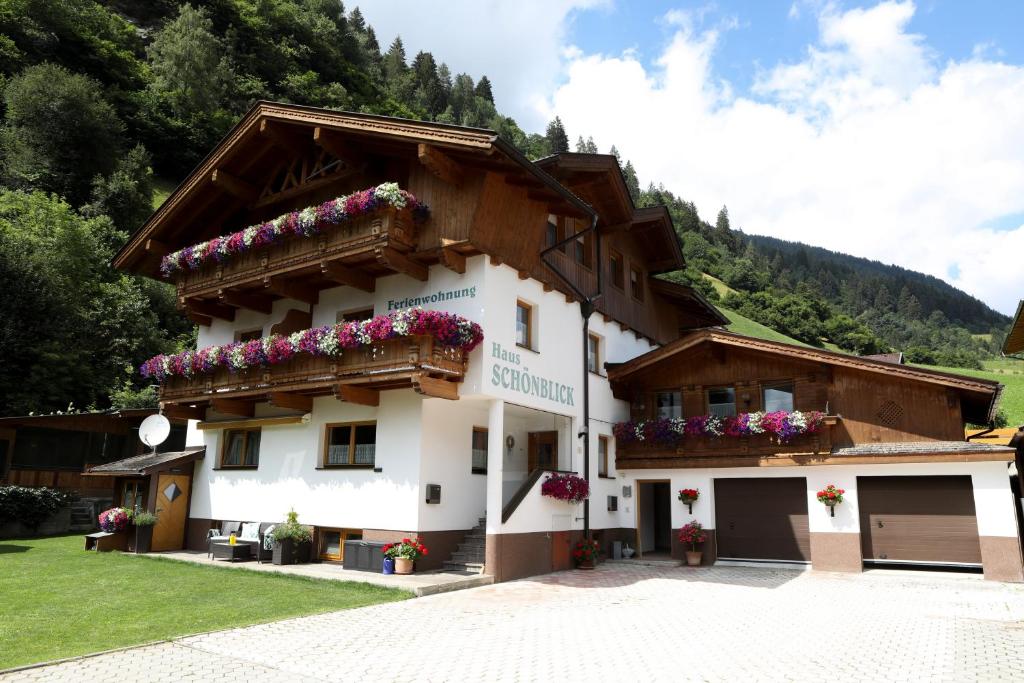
x,y
518,45
868,145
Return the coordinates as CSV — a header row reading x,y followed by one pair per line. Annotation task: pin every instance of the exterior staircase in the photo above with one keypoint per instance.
x,y
470,555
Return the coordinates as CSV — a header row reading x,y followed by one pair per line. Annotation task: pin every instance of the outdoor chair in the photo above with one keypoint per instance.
x,y
264,551
222,535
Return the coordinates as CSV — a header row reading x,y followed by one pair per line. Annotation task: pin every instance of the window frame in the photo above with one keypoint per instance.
x,y
226,439
603,457
591,337
707,399
530,311
343,316
657,409
487,452
636,289
351,464
615,256
343,535
247,335
765,386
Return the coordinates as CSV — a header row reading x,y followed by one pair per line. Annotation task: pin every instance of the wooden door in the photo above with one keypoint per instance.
x,y
543,451
762,519
171,510
918,519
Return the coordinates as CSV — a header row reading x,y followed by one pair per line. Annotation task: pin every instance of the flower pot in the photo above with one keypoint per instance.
x,y
586,564
389,565
290,552
628,552
693,558
403,565
143,540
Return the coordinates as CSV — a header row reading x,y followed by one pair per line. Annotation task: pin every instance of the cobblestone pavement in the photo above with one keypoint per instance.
x,y
620,623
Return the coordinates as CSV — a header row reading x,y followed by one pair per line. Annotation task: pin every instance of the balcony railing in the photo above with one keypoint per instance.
x,y
418,362
819,442
352,240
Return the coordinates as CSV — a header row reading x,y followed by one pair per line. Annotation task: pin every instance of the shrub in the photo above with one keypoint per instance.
x,y
30,506
692,535
292,529
144,519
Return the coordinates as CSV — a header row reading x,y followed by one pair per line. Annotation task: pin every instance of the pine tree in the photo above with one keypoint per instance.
x,y
581,147
483,89
723,231
615,153
632,183
395,65
558,141
356,21
591,145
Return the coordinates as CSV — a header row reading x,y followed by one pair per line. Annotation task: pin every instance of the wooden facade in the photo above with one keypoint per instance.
x,y
864,401
484,198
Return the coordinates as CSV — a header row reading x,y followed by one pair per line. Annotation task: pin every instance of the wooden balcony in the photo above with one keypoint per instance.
x,y
352,253
724,451
358,375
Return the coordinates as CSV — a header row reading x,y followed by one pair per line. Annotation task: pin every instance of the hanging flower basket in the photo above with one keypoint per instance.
x,y
831,496
689,497
568,487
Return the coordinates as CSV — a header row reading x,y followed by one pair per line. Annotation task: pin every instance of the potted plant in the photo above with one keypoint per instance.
x,y
689,497
586,553
144,522
114,520
831,496
404,554
291,541
692,535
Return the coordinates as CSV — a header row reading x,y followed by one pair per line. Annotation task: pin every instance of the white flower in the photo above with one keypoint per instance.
x,y
754,423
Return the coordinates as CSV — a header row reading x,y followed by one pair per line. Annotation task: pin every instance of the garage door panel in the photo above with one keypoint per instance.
x,y
928,519
762,519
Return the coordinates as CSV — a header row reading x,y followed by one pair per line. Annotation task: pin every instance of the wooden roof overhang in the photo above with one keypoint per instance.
x,y
598,180
103,422
978,397
228,189
695,311
1015,338
148,463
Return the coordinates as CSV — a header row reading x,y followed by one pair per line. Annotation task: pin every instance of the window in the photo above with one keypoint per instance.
x,y
722,401
777,396
354,316
479,450
524,325
602,456
134,495
352,444
636,283
594,354
668,404
551,231
241,448
618,269
249,335
332,542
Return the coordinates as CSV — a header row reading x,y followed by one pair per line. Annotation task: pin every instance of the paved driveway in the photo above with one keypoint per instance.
x,y
620,623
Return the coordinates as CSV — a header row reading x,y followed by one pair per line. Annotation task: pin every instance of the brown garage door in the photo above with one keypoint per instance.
x,y
918,519
762,519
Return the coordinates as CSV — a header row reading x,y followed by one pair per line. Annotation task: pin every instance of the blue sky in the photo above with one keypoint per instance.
x,y
888,129
765,33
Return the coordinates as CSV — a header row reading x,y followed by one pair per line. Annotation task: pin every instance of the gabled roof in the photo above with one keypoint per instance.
x,y
148,463
978,396
1015,338
269,125
698,310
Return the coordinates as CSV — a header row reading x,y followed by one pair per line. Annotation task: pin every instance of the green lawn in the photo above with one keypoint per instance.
x,y
742,325
720,287
1010,372
57,600
162,189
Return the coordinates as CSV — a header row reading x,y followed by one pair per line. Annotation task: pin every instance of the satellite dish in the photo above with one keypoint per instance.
x,y
154,430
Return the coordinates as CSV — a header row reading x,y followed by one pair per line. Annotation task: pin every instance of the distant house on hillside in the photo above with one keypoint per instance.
x,y
1015,338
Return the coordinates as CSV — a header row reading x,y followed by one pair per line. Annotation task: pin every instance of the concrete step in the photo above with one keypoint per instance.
x,y
462,557
471,567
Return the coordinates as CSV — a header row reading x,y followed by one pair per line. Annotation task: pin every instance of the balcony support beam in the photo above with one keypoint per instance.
x,y
199,319
358,395
291,290
333,143
234,406
395,260
438,388
346,275
253,302
234,185
298,402
181,412
440,164
283,137
452,260
210,309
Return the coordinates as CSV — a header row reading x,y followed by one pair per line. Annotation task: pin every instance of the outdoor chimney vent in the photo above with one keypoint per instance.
x,y
433,494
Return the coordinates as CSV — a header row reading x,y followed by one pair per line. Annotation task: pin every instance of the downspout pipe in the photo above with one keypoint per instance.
x,y
586,310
